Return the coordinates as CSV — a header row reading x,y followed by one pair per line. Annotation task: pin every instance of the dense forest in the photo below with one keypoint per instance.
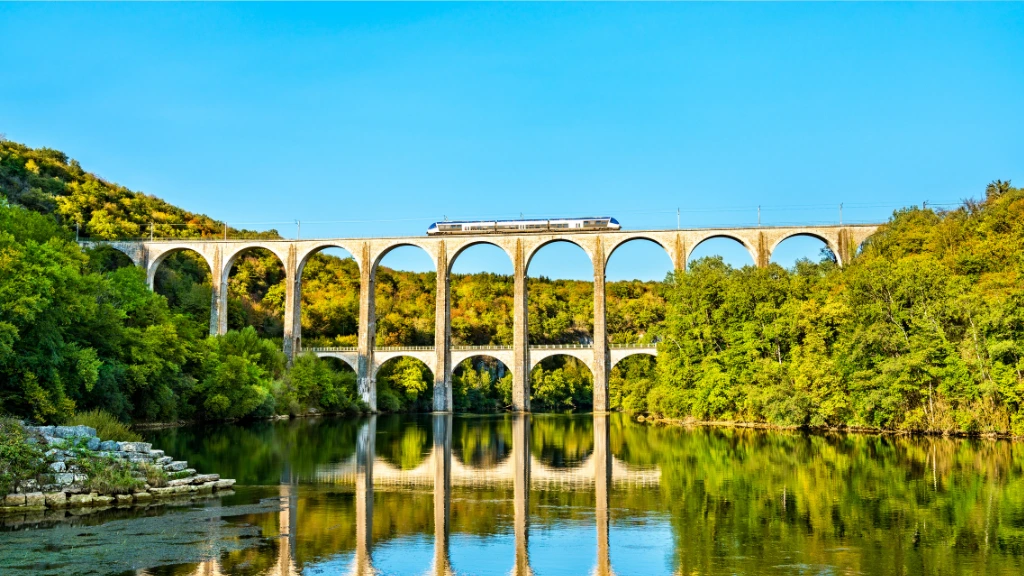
x,y
922,331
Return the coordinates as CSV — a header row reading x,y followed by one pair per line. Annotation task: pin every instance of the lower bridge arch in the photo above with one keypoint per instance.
x,y
582,354
382,357
619,354
349,358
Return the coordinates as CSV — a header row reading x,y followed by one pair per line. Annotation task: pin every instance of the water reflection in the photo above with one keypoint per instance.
x,y
574,495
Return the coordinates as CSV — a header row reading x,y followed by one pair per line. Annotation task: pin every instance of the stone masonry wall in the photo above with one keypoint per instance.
x,y
65,483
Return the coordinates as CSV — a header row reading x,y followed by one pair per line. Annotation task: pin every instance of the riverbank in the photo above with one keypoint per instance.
x,y
697,423
70,467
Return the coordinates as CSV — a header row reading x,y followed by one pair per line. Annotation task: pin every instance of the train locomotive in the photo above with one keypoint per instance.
x,y
509,226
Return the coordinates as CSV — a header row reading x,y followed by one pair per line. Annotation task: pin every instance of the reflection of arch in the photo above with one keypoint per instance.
x,y
808,234
621,354
155,264
752,250
316,249
380,358
620,241
583,355
460,249
533,251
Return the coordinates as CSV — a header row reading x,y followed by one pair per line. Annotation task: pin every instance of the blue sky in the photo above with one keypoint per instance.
x,y
388,117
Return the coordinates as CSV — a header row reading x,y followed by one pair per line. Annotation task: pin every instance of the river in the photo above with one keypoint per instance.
x,y
554,495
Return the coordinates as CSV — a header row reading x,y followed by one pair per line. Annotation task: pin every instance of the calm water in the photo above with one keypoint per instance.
x,y
553,495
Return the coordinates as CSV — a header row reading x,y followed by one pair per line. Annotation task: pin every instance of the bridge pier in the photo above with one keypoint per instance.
x,y
521,329
367,329
292,305
442,334
600,367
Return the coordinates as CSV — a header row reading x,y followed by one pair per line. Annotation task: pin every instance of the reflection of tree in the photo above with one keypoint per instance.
x,y
561,441
482,442
404,441
261,453
926,500
737,499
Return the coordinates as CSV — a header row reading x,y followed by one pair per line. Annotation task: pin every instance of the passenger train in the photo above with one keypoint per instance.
x,y
508,226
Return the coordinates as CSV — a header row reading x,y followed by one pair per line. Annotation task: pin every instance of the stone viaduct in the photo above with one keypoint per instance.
x,y
220,255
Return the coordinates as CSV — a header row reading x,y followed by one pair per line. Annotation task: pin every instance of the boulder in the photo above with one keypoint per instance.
x,y
108,446
206,488
134,446
204,478
102,500
156,453
54,441
58,467
55,499
223,484
176,466
73,431
35,499
143,496
161,492
93,444
14,500
123,499
164,460
80,500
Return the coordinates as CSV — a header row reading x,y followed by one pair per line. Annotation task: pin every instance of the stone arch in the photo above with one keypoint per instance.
x,y
620,241
382,251
640,239
751,249
159,257
616,358
829,243
229,261
532,251
135,251
307,252
108,258
229,258
471,354
380,358
351,359
374,287
455,252
309,249
503,355
582,354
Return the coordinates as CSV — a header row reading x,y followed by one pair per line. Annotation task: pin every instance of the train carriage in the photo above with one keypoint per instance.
x,y
506,226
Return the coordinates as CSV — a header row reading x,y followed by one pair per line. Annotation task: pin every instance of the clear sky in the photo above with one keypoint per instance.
x,y
390,116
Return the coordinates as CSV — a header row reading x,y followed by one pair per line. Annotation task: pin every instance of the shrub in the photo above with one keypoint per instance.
x,y
107,426
110,476
20,460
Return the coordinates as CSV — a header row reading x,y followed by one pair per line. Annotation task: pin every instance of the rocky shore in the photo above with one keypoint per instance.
x,y
83,470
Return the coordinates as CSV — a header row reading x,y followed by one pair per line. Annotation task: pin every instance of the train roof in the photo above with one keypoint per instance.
x,y
524,220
